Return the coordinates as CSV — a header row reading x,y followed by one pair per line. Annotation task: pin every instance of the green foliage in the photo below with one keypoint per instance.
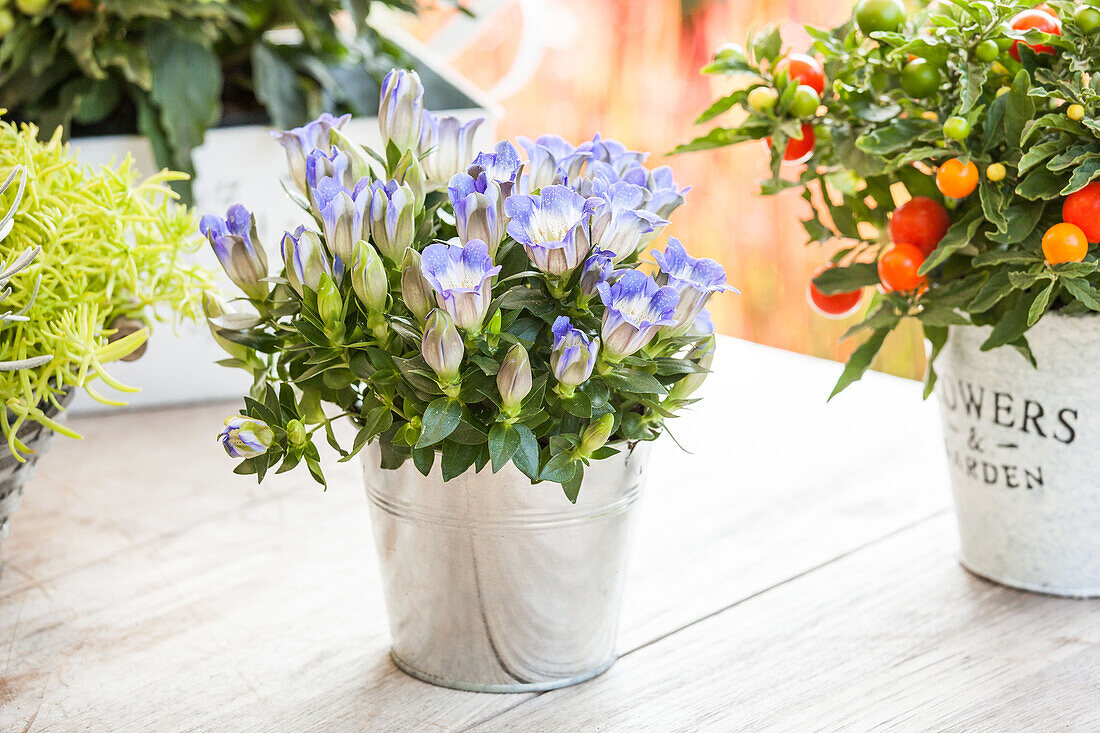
x,y
111,248
875,142
175,67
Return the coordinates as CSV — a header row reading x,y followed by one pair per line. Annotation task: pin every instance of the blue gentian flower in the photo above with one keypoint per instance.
x,y
446,146
238,249
636,306
334,164
343,214
551,160
618,225
573,354
615,154
245,437
478,204
461,276
502,165
598,268
665,196
306,260
696,280
401,109
552,227
392,218
301,141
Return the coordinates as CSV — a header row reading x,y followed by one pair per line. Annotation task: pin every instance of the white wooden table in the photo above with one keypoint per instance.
x,y
797,572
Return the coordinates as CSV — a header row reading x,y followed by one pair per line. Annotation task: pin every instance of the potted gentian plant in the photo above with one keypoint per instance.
x,y
493,333
954,151
91,258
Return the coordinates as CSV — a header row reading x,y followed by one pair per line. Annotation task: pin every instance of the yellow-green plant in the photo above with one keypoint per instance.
x,y
112,247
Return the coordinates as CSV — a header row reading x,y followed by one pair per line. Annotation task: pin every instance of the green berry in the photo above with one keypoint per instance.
x,y
763,99
920,79
805,101
880,15
31,7
987,51
1087,19
956,128
7,21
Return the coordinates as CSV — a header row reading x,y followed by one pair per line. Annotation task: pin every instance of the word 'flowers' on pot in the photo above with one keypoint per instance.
x,y
462,308
951,152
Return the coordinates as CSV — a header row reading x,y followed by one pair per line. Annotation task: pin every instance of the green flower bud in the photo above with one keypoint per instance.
x,y
442,346
296,433
703,355
596,434
415,290
214,307
368,277
514,378
329,305
410,173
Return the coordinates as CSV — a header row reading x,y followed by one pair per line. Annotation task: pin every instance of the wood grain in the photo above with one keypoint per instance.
x,y
895,635
149,588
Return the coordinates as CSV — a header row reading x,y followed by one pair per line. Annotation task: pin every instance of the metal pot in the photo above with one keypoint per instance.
x,y
493,584
14,474
1023,446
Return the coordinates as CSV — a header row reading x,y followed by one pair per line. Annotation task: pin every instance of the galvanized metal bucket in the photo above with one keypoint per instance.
x,y
493,584
1023,447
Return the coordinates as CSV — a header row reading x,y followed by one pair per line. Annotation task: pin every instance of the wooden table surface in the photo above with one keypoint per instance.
x,y
796,572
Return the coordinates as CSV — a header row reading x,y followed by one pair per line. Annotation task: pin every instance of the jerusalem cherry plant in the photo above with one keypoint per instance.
x,y
951,148
462,308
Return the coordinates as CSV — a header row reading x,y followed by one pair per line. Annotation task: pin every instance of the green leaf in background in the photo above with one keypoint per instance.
x,y
187,83
846,279
504,441
277,87
860,360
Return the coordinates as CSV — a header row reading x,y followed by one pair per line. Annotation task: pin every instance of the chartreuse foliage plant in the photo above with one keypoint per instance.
x,y
171,69
91,255
463,310
953,153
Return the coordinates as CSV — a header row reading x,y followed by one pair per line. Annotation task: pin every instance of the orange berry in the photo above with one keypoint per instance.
x,y
1065,243
957,179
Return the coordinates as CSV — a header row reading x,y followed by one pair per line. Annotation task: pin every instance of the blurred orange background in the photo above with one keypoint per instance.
x,y
629,69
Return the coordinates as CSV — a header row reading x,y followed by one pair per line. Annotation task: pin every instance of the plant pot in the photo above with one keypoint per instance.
x,y
13,474
1023,447
493,584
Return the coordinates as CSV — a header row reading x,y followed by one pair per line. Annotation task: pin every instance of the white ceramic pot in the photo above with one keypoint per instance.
x,y
1023,447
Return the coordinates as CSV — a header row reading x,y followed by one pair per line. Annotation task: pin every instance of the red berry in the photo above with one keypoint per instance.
x,y
803,69
836,305
898,266
799,150
921,222
1082,208
1038,20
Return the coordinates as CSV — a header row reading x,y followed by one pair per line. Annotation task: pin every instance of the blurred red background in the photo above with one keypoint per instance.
x,y
629,69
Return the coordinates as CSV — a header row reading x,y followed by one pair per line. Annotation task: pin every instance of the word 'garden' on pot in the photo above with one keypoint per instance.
x,y
954,151
473,311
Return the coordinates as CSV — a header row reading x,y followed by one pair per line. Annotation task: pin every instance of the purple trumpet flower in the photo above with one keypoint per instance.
x,y
618,225
343,214
307,260
245,437
615,154
334,164
573,354
551,160
696,280
238,249
502,165
442,348
598,268
301,141
446,146
461,277
636,307
552,227
392,218
665,196
400,109
478,204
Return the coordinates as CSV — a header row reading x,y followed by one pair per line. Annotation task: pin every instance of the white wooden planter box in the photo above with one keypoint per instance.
x,y
235,165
